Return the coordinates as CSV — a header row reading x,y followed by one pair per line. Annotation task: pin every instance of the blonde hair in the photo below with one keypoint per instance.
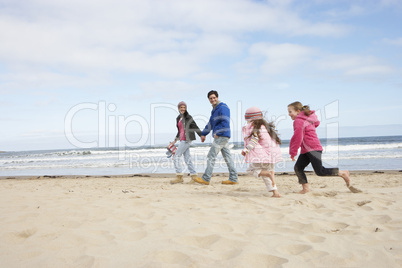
x,y
298,106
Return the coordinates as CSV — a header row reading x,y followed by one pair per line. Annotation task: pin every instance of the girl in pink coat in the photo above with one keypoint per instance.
x,y
305,137
261,148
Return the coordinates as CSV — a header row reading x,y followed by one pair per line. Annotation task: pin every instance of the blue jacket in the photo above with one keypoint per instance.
x,y
219,122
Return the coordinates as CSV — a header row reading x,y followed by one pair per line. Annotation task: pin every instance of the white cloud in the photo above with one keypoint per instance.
x,y
284,59
169,38
280,58
394,42
348,11
167,90
391,3
355,65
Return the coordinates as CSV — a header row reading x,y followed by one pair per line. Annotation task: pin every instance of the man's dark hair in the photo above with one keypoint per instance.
x,y
213,92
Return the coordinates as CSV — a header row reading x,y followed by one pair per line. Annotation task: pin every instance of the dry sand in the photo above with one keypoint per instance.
x,y
143,221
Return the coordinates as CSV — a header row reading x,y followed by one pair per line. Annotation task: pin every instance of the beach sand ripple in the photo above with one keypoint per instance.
x,y
144,221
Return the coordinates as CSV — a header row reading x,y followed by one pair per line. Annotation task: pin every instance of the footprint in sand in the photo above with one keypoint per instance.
x,y
314,238
326,194
135,224
222,228
199,241
135,236
21,236
84,261
210,242
295,249
314,254
260,260
231,254
362,203
323,227
336,227
171,257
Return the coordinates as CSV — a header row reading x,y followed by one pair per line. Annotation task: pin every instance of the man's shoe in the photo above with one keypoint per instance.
x,y
229,182
179,179
201,181
193,177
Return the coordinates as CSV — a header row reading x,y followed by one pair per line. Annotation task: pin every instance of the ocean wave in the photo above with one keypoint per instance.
x,y
362,147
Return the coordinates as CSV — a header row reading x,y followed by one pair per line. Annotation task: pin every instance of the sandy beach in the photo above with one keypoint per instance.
x,y
144,221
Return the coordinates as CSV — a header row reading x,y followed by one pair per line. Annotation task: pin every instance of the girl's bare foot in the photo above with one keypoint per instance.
x,y
305,189
276,193
345,175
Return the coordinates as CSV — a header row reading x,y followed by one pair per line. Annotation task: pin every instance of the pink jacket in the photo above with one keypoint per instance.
x,y
304,135
265,151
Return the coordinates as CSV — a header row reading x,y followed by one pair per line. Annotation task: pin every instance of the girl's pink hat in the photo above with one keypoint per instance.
x,y
253,113
182,103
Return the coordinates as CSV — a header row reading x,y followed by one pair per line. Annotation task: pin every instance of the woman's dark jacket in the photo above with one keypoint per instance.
x,y
190,127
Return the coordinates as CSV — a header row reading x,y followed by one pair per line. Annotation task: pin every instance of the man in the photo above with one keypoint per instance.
x,y
219,123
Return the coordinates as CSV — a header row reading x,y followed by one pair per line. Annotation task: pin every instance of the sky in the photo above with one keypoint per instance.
x,y
110,73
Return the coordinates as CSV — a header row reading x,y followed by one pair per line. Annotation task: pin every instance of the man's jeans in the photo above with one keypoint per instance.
x,y
220,144
183,149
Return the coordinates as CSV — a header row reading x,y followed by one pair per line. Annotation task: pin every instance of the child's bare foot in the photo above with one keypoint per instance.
x,y
276,193
345,175
354,190
305,189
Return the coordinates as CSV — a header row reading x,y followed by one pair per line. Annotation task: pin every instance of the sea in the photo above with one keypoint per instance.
x,y
356,153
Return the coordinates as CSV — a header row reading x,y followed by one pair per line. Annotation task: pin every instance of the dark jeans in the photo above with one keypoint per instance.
x,y
313,157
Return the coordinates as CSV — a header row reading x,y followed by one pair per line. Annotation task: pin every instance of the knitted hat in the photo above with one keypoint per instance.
x,y
253,113
182,103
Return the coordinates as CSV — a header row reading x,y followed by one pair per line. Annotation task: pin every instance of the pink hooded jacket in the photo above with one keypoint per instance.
x,y
304,135
266,151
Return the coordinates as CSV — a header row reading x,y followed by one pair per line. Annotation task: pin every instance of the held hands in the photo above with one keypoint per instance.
x,y
203,137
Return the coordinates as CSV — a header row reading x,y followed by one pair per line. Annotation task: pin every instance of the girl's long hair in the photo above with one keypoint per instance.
x,y
300,107
269,126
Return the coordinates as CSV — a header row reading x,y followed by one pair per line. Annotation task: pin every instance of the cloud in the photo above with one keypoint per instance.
x,y
168,38
279,58
391,3
355,65
285,59
167,90
350,11
394,42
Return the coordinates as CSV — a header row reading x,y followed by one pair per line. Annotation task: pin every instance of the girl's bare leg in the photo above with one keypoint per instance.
x,y
345,175
271,175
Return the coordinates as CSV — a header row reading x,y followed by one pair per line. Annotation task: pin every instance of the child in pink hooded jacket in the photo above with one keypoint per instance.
x,y
305,137
262,149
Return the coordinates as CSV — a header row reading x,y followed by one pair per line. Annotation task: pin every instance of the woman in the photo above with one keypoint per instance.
x,y
186,129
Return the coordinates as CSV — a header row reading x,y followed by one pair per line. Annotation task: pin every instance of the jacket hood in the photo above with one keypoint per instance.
x,y
312,118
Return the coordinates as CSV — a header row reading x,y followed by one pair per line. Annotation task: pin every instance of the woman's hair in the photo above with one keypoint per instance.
x,y
269,126
299,107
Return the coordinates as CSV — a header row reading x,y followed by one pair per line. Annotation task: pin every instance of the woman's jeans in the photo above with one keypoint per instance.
x,y
183,149
313,157
220,144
